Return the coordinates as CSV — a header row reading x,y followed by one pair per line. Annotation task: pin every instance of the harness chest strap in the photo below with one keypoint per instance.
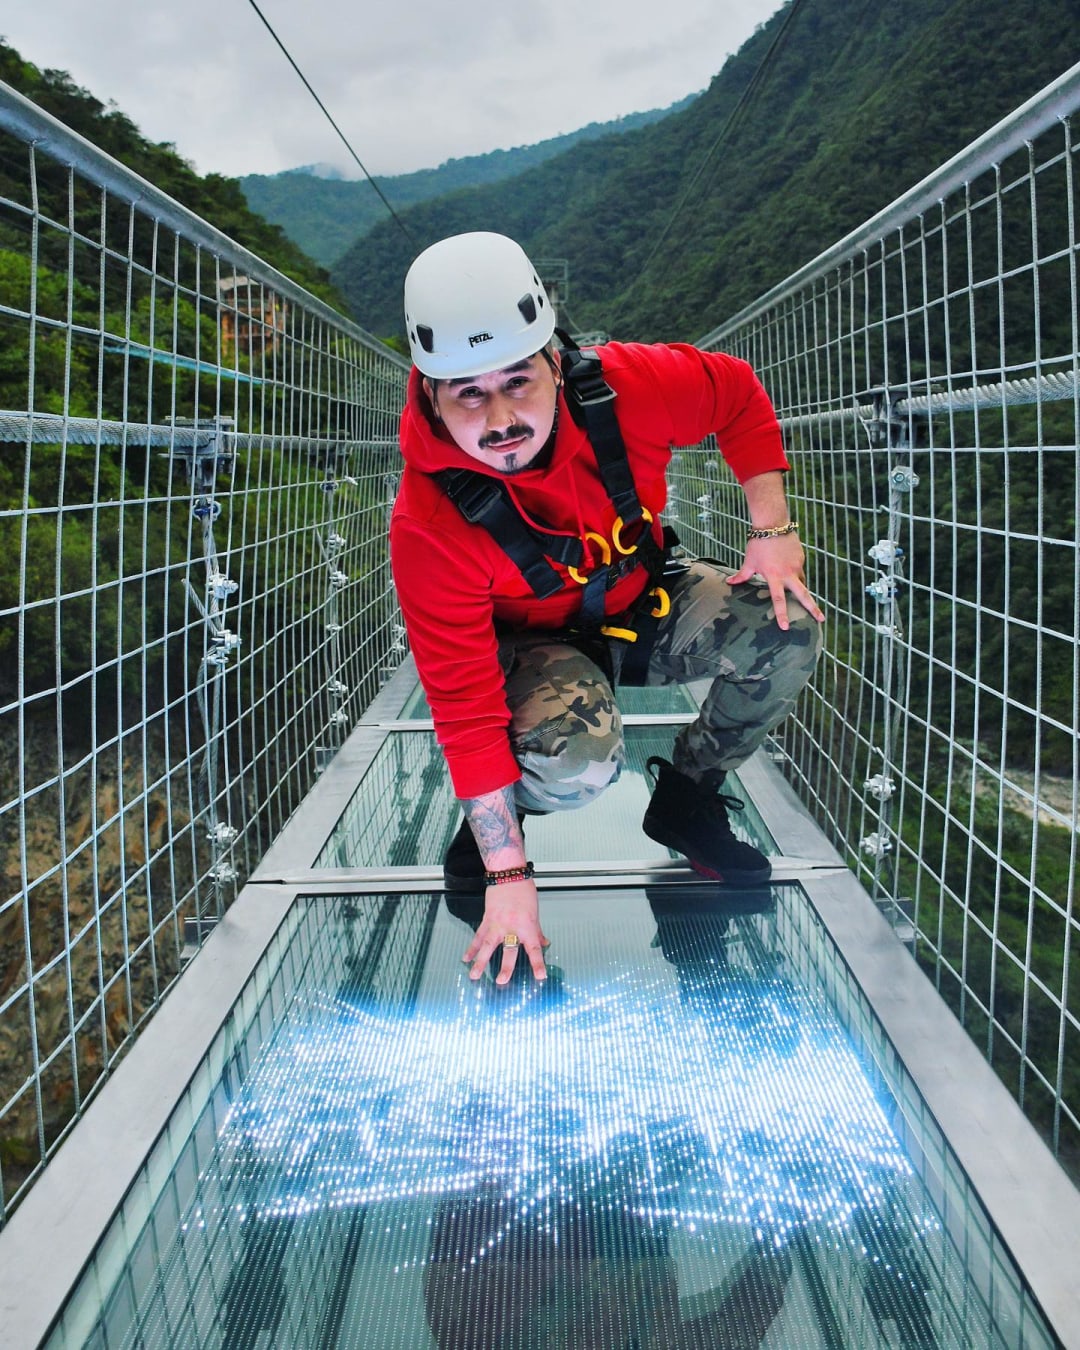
x,y
485,501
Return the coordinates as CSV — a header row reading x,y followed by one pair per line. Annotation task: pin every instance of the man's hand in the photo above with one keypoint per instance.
x,y
779,561
512,909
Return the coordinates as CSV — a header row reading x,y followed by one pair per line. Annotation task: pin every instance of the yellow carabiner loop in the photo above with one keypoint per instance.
x,y
627,634
616,531
605,554
663,602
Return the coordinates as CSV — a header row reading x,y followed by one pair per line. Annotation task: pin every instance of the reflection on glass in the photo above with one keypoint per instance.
x,y
679,1149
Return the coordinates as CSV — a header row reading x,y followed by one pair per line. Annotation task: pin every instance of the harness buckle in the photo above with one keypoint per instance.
x,y
586,378
626,634
617,529
473,498
605,554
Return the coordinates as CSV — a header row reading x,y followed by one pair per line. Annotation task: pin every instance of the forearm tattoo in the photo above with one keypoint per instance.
x,y
494,823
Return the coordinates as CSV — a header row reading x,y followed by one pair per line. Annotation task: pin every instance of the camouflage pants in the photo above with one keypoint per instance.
x,y
566,729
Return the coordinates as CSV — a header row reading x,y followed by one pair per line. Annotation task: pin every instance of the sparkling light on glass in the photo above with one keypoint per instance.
x,y
729,1100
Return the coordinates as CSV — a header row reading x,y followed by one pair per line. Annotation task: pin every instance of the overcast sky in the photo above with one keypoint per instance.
x,y
411,83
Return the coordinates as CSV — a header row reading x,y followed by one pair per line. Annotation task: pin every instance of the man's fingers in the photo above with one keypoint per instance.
x,y
811,606
479,953
479,965
798,590
779,600
779,589
509,960
743,574
480,950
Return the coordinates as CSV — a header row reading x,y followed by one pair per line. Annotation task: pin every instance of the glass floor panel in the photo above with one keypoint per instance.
x,y
671,1143
404,813
672,698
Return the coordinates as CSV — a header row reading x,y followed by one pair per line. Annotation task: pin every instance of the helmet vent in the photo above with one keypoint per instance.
x,y
527,306
426,337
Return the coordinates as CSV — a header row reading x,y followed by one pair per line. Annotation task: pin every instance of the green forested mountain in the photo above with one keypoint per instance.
x,y
325,216
215,198
856,105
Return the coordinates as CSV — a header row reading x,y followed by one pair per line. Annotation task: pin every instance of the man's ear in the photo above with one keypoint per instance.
x,y
556,365
430,391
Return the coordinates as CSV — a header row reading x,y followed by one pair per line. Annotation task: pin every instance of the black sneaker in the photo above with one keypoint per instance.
x,y
463,867
689,818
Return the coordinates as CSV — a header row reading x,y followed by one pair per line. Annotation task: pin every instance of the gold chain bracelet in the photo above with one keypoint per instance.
x,y
775,532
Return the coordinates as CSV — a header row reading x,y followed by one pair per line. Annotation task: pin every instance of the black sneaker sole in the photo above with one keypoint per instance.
x,y
731,876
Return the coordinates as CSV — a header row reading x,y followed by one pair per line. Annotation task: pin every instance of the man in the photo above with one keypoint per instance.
x,y
517,652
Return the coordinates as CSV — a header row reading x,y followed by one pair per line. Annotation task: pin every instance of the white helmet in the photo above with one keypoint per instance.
x,y
474,303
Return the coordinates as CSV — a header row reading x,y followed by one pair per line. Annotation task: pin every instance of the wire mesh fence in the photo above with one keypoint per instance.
x,y
926,372
197,460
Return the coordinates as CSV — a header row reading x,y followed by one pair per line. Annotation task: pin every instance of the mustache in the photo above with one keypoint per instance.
x,y
511,433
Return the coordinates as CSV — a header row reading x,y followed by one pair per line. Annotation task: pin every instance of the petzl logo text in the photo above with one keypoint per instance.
x,y
477,338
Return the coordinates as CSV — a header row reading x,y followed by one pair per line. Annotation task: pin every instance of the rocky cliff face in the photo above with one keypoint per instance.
x,y
90,885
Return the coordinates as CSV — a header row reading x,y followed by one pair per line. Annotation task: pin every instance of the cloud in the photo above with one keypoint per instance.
x,y
411,84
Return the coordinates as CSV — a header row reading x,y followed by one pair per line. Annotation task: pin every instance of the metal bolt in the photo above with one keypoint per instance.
x,y
886,552
881,590
876,845
904,479
221,585
880,787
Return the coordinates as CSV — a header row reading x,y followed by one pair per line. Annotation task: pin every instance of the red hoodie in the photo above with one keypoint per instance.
x,y
452,578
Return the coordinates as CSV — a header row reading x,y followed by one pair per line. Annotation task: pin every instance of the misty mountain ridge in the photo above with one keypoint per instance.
x,y
669,221
330,172
324,209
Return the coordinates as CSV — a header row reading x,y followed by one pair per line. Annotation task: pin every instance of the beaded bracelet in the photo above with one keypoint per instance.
x,y
775,532
509,874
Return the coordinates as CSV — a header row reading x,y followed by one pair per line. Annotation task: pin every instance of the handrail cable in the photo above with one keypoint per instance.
x,y
307,85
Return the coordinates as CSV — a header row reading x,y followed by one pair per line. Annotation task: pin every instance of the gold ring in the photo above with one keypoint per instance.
x,y
510,940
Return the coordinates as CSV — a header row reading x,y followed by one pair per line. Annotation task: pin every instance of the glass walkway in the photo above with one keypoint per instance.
x,y
696,1133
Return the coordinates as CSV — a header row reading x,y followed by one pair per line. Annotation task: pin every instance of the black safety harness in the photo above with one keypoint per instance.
x,y
485,501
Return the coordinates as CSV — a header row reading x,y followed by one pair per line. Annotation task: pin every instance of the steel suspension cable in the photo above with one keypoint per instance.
x,y
344,140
